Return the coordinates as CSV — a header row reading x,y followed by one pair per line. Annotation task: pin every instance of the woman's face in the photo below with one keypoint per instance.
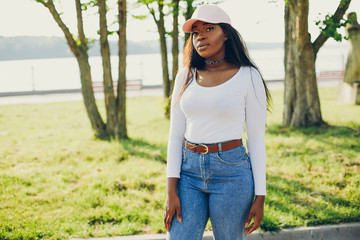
x,y
208,40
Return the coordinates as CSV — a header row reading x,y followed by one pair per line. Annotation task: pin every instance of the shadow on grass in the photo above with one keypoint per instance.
x,y
143,149
319,207
289,197
338,131
325,135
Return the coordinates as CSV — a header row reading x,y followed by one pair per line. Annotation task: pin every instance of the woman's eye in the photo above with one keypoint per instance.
x,y
194,33
209,29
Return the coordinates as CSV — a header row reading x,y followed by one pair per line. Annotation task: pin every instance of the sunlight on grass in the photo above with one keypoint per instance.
x,y
57,181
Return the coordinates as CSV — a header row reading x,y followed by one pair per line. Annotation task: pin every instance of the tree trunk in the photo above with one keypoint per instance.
x,y
87,90
189,12
164,60
301,101
121,90
110,103
81,55
89,98
352,68
175,42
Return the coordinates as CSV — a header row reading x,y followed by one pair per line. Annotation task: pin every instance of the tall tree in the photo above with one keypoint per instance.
x,y
190,8
121,90
301,103
106,64
156,10
79,48
175,39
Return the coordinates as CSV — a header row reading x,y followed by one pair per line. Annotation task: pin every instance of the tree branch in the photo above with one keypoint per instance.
x,y
338,15
152,12
80,25
49,4
103,22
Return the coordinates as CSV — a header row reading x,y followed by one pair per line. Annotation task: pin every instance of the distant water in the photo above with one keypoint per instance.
x,y
63,73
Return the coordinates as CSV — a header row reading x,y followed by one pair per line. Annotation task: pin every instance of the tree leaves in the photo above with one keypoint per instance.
x,y
140,17
85,6
329,27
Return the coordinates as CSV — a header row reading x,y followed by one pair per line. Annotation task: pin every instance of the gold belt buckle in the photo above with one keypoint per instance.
x,y
206,148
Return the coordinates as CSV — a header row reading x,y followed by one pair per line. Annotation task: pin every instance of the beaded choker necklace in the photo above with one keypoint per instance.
x,y
215,61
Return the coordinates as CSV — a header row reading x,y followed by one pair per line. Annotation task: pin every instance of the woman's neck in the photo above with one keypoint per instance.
x,y
218,66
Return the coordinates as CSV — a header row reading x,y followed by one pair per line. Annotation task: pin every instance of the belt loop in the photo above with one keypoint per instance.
x,y
186,144
219,145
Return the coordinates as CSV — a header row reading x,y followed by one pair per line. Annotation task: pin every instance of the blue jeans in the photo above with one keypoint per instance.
x,y
218,186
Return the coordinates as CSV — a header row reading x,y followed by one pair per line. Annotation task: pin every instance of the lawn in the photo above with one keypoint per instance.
x,y
57,181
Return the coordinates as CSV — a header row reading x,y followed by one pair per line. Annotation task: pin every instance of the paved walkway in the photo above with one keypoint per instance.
x,y
75,95
349,231
68,96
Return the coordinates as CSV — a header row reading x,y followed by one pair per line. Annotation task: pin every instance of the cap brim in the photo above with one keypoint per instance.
x,y
187,27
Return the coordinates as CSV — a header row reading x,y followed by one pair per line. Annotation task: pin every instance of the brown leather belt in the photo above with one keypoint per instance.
x,y
210,148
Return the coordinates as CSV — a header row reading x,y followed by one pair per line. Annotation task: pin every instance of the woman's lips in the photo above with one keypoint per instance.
x,y
202,46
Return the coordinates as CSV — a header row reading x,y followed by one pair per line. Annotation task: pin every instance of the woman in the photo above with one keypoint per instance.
x,y
209,173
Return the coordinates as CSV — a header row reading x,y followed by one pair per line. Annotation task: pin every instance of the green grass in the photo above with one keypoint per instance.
x,y
57,181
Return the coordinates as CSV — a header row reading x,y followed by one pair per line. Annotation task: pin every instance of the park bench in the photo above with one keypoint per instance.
x,y
331,75
135,84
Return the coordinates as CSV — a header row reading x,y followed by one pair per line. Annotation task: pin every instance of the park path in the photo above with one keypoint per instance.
x,y
71,95
68,96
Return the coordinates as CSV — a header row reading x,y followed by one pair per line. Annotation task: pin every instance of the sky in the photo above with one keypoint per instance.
x,y
256,20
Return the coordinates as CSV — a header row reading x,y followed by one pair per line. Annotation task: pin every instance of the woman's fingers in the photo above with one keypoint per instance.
x,y
167,219
256,212
165,222
253,226
248,226
248,220
169,216
178,213
170,219
172,205
248,229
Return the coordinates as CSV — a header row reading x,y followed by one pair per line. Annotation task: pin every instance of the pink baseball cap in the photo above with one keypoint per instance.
x,y
206,13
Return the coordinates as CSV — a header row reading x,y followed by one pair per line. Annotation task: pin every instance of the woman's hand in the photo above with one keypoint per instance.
x,y
172,203
256,212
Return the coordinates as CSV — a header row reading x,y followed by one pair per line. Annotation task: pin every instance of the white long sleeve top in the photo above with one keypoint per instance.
x,y
216,114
